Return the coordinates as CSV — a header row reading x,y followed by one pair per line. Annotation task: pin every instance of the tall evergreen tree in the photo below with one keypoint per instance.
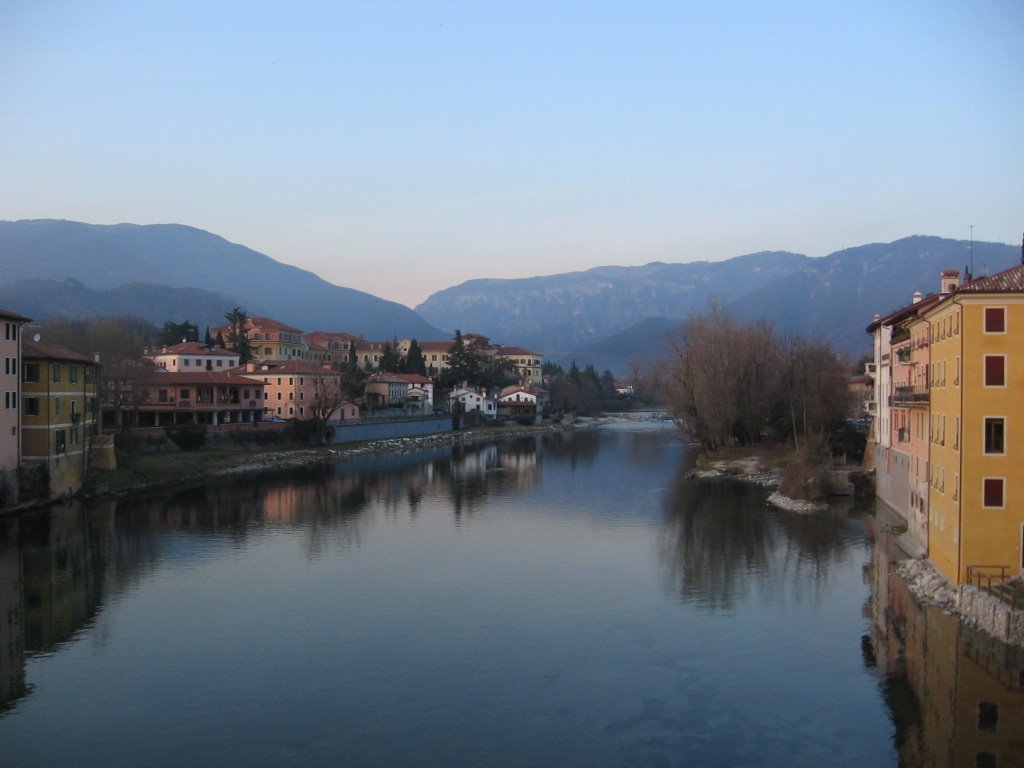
x,y
390,358
237,340
414,360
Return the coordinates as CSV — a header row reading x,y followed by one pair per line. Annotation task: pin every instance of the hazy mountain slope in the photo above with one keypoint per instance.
x,y
43,300
834,297
559,313
598,316
175,255
646,339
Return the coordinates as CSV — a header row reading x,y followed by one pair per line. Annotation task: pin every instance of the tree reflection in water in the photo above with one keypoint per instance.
x,y
720,541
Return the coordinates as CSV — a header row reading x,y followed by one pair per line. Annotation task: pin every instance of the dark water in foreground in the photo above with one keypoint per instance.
x,y
565,600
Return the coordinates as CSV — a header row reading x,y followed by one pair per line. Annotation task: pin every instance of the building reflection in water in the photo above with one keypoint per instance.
x,y
12,621
956,697
59,565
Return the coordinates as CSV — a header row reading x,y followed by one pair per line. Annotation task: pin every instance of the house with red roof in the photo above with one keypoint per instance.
x,y
410,391
176,398
191,356
301,389
269,339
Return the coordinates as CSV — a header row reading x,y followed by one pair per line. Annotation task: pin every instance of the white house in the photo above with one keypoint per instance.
x,y
472,400
191,356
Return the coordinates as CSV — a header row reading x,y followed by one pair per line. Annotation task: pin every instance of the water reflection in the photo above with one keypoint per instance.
x,y
720,541
57,566
955,697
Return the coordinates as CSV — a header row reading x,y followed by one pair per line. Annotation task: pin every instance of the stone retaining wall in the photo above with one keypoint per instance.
x,y
991,614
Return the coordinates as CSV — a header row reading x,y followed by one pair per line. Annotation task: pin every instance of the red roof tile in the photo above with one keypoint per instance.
x,y
191,348
1008,281
53,352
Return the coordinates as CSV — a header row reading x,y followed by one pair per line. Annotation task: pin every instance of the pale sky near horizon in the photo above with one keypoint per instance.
x,y
400,148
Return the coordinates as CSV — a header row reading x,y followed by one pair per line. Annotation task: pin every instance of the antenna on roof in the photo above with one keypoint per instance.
x,y
972,248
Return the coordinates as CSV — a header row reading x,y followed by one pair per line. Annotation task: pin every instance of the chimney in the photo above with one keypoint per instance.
x,y
876,317
949,281
916,297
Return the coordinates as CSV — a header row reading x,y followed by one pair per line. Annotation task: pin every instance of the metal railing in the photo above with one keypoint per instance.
x,y
911,395
992,579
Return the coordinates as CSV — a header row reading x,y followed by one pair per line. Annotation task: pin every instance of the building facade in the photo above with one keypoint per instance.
x,y
955,417
60,413
10,418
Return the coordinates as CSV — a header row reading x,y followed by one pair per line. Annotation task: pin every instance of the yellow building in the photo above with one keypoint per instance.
x,y
60,413
976,384
269,339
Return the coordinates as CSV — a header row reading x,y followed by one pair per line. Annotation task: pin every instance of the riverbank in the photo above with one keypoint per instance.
x,y
765,470
159,470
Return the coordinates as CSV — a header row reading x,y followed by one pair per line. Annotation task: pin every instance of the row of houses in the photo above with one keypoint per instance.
x,y
55,403
270,339
948,429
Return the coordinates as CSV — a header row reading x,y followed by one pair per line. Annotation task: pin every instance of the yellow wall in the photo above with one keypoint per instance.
x,y
962,532
944,498
993,536
67,468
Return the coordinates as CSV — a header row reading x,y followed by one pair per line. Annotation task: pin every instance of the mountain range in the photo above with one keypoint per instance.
x,y
173,272
602,316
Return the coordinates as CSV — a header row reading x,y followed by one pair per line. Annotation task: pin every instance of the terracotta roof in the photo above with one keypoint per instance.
x,y
435,346
515,351
160,376
13,315
53,352
191,348
269,322
904,312
408,378
322,336
1008,281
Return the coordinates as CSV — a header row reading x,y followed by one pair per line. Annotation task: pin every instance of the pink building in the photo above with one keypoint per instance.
x,y
298,389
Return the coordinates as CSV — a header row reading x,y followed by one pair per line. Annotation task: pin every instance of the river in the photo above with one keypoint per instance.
x,y
566,599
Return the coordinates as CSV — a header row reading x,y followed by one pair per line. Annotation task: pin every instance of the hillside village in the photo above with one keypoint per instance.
x,y
62,407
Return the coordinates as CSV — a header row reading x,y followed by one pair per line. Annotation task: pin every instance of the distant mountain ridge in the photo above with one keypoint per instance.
x,y
603,315
608,314
109,257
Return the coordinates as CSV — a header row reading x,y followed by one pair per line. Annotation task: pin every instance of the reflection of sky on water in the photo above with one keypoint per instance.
x,y
561,599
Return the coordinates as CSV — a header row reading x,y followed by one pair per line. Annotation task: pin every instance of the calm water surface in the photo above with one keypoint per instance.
x,y
566,600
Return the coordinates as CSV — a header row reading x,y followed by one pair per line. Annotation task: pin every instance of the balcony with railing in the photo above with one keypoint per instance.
x,y
909,396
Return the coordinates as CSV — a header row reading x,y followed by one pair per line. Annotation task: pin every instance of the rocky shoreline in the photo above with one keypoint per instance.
x,y
753,469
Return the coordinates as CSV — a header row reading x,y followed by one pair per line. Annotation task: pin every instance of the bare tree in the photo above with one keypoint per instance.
x,y
328,396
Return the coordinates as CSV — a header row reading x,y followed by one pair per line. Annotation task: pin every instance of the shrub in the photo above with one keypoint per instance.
x,y
188,437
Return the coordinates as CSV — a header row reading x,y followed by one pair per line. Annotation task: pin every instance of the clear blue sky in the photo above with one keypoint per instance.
x,y
400,148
